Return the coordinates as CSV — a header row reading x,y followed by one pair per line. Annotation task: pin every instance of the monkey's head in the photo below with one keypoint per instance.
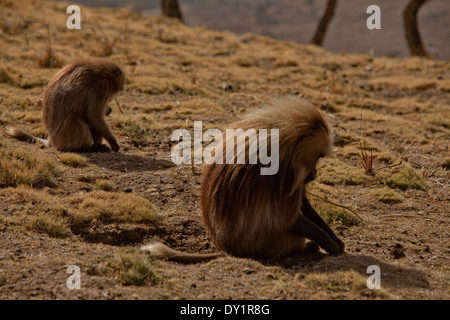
x,y
91,71
305,137
318,145
117,78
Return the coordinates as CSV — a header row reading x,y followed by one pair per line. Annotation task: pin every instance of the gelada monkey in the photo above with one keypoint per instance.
x,y
247,214
75,105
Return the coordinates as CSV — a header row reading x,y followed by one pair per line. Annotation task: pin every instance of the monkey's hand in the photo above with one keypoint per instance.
x,y
114,146
340,244
100,148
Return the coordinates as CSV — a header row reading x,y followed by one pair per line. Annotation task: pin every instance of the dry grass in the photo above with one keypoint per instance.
x,y
45,214
403,83
57,217
137,269
366,160
342,282
6,76
176,75
56,226
73,160
104,185
26,167
387,195
47,59
129,267
109,207
403,177
336,172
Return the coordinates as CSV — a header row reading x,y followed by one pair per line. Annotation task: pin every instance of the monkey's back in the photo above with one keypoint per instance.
x,y
245,213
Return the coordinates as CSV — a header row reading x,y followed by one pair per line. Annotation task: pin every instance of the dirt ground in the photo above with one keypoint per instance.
x,y
176,75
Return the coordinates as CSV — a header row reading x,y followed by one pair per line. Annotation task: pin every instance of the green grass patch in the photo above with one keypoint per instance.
x,y
403,177
387,195
137,269
335,172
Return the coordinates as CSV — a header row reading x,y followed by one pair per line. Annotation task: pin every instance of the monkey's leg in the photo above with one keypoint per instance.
x,y
102,128
309,212
308,229
98,139
96,136
73,134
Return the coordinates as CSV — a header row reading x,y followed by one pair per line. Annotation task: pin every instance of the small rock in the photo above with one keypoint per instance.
x,y
398,251
127,190
248,271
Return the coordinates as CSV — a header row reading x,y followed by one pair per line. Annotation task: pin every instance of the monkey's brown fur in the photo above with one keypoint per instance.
x,y
74,106
268,216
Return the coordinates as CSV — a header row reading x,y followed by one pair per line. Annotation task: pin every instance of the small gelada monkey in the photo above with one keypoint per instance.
x,y
247,214
75,105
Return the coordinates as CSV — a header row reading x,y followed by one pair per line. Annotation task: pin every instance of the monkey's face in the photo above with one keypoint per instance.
x,y
311,176
118,80
313,171
310,153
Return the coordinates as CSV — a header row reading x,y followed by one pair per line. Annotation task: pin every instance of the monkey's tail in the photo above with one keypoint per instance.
x,y
22,135
159,250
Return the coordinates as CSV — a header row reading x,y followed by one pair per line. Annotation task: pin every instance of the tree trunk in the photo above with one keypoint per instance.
x,y
323,24
171,9
411,31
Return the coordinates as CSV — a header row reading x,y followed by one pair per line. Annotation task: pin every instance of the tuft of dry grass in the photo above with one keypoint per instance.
x,y
55,226
47,59
403,177
73,160
387,195
366,160
129,267
335,172
109,207
22,167
104,185
137,269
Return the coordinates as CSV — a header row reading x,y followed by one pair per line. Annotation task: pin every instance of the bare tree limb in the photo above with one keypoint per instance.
x,y
171,9
323,24
411,30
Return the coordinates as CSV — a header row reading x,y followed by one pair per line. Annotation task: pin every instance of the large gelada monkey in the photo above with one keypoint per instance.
x,y
75,105
247,214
